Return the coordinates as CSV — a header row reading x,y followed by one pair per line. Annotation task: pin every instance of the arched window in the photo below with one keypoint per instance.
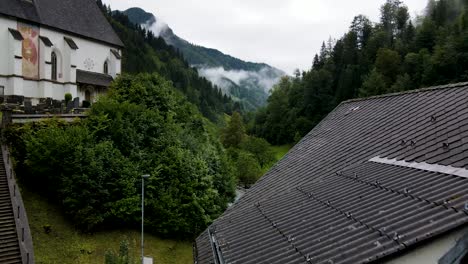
x,y
106,67
54,65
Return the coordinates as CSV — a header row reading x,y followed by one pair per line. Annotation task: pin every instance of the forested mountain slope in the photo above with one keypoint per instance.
x,y
246,82
144,52
397,53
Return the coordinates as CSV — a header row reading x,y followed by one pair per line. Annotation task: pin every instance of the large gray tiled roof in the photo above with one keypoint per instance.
x,y
329,200
80,17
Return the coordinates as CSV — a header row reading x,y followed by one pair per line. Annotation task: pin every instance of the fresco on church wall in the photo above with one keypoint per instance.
x,y
30,50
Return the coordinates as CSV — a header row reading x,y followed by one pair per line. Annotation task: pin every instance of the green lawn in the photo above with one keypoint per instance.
x,y
280,151
66,245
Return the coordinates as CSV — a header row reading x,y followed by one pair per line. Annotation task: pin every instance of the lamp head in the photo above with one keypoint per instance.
x,y
145,176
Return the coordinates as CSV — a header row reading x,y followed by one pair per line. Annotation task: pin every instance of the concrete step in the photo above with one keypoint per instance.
x,y
7,233
9,216
10,257
7,228
12,247
9,238
7,225
6,212
9,245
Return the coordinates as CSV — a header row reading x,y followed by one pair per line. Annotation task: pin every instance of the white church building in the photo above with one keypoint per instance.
x,y
52,47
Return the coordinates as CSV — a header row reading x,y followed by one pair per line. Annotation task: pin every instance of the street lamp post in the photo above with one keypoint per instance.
x,y
143,177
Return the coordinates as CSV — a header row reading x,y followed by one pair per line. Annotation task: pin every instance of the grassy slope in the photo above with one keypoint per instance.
x,y
66,245
280,151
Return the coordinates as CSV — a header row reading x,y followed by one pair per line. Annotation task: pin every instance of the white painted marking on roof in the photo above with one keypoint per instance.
x,y
462,172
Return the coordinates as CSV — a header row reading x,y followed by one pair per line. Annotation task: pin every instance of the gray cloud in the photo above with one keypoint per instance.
x,y
157,27
218,75
283,33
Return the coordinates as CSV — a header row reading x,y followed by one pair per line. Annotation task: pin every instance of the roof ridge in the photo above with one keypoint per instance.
x,y
425,89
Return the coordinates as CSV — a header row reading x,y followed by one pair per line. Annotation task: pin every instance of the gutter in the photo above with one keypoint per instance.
x,y
217,254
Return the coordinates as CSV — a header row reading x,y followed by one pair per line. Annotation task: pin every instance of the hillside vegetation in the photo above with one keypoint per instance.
x,y
56,241
93,167
146,53
247,83
392,55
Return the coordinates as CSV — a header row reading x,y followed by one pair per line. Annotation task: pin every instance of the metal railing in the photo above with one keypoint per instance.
x,y
21,219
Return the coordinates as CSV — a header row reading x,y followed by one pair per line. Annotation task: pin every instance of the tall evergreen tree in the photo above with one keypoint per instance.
x,y
370,59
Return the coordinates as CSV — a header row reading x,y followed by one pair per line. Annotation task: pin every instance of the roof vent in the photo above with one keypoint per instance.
x,y
433,118
445,145
352,109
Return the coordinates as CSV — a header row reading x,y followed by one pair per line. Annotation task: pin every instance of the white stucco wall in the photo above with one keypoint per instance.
x,y
69,61
5,51
88,50
431,252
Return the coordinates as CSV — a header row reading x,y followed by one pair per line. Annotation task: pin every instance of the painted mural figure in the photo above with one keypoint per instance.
x,y
30,50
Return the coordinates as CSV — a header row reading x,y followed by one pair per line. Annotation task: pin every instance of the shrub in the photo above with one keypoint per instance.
x,y
122,258
68,97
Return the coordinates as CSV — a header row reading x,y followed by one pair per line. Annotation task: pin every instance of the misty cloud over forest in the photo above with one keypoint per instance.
x,y
157,27
218,75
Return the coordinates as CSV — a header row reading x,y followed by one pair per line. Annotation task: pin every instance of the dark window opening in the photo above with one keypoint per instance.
x,y
106,68
88,95
54,66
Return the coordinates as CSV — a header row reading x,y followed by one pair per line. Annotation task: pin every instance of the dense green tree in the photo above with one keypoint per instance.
x,y
234,134
388,63
248,169
93,167
261,150
374,84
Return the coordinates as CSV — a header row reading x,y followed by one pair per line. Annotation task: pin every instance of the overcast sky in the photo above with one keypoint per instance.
x,y
283,33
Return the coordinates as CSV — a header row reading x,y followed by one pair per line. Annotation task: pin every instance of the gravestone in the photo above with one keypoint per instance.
x,y
40,108
57,104
48,101
69,106
28,108
15,99
76,102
